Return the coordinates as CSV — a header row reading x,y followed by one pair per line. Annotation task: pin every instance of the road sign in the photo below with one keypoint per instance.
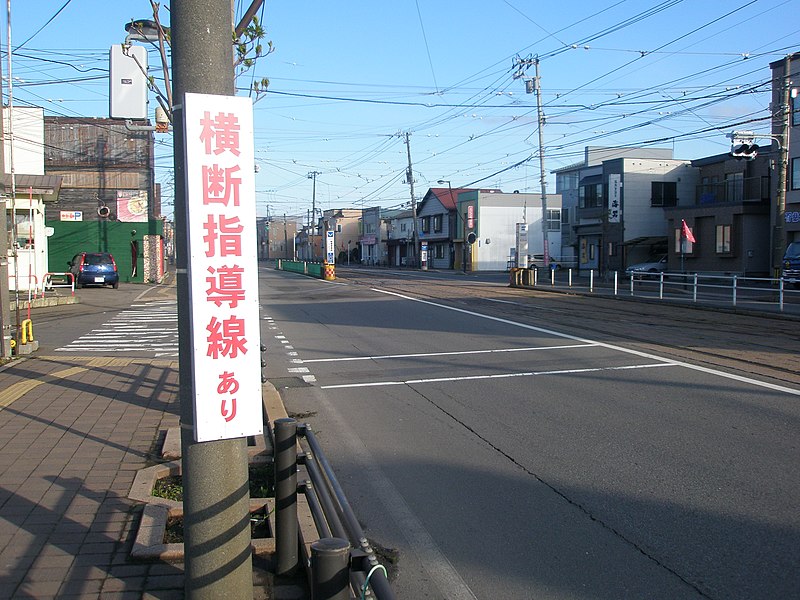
x,y
329,247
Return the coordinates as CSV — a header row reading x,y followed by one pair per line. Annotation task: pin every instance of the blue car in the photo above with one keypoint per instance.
x,y
94,268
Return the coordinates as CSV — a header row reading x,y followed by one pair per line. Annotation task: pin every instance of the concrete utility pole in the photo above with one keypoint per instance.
x,y
216,524
531,86
313,175
779,243
543,178
5,292
410,182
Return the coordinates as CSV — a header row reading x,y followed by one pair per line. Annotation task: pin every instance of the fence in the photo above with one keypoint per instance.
x,y
302,267
342,559
737,291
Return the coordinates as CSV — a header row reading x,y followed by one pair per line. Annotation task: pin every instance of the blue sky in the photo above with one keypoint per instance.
x,y
349,79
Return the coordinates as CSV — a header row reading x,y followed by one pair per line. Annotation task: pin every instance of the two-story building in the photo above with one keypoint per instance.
x,y
400,227
729,216
346,225
492,217
25,198
616,199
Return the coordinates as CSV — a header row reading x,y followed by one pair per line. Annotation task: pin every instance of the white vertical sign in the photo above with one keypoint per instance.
x,y
614,198
329,247
223,266
521,246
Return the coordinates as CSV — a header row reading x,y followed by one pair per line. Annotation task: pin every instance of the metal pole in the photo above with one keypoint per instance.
x,y
218,560
5,300
286,534
5,293
330,575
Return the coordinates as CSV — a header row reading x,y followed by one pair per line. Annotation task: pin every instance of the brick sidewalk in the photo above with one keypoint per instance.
x,y
73,433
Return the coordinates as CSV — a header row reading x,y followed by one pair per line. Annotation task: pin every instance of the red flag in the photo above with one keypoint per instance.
x,y
686,233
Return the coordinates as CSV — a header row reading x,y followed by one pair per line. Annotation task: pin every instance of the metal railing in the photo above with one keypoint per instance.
x,y
738,291
58,280
342,559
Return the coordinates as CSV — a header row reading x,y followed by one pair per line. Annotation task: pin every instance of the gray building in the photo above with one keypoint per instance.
x,y
614,203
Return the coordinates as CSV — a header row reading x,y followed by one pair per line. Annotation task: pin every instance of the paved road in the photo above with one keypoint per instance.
x,y
519,444
135,320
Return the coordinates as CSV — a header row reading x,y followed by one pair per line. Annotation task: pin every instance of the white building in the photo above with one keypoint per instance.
x,y
493,217
24,196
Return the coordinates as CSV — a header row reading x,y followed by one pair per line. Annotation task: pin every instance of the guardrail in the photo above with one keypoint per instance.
x,y
58,280
758,293
342,559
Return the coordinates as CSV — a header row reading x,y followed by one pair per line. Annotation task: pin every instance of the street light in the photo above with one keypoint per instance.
x,y
463,222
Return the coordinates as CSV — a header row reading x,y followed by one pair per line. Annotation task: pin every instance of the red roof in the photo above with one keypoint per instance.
x,y
450,200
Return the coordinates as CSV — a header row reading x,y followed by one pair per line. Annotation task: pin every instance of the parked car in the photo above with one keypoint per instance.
x,y
657,265
791,264
537,261
94,268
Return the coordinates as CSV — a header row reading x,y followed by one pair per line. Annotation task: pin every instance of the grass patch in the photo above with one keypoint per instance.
x,y
261,479
259,528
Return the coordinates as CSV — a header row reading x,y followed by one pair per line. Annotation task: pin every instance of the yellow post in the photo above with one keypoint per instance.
x,y
27,327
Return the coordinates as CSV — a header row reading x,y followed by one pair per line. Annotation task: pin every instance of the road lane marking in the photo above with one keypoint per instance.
x,y
647,355
494,376
455,353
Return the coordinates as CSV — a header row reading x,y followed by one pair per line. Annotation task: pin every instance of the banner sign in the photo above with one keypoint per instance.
x,y
223,266
614,198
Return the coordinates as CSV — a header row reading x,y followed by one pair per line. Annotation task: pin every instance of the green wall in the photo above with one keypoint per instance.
x,y
69,238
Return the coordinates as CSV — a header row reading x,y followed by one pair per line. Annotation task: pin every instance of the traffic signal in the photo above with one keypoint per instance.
x,y
746,151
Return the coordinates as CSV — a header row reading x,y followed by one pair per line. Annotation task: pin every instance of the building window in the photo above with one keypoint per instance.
x,y
565,216
437,223
591,196
723,239
338,228
793,102
664,193
567,181
426,224
553,219
734,187
796,173
438,250
682,245
402,226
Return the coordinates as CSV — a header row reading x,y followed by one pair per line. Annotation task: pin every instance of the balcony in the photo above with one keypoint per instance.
x,y
751,189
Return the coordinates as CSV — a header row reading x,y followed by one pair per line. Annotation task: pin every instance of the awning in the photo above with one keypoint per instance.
x,y
591,180
649,240
46,186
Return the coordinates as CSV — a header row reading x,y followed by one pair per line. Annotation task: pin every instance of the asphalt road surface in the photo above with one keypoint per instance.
x,y
513,444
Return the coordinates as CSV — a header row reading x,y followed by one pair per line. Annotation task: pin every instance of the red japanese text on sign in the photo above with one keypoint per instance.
x,y
222,132
223,266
